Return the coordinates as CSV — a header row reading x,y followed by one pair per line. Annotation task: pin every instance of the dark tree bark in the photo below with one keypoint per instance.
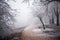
x,y
42,23
57,17
40,18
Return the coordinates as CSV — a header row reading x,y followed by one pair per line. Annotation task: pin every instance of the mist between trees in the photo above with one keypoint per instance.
x,y
21,13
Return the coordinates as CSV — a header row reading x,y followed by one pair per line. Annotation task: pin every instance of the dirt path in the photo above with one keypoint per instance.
x,y
28,34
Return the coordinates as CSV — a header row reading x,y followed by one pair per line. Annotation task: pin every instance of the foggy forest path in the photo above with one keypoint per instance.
x,y
28,34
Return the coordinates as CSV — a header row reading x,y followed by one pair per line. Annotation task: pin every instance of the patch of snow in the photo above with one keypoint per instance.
x,y
42,30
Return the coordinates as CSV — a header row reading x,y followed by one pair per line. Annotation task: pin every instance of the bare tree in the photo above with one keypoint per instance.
x,y
5,16
40,18
56,13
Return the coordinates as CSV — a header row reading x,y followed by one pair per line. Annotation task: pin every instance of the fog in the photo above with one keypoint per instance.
x,y
24,14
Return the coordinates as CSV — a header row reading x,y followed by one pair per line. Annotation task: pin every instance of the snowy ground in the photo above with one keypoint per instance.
x,y
35,32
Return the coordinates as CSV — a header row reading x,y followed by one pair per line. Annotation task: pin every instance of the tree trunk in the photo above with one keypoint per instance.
x,y
57,19
42,23
57,16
